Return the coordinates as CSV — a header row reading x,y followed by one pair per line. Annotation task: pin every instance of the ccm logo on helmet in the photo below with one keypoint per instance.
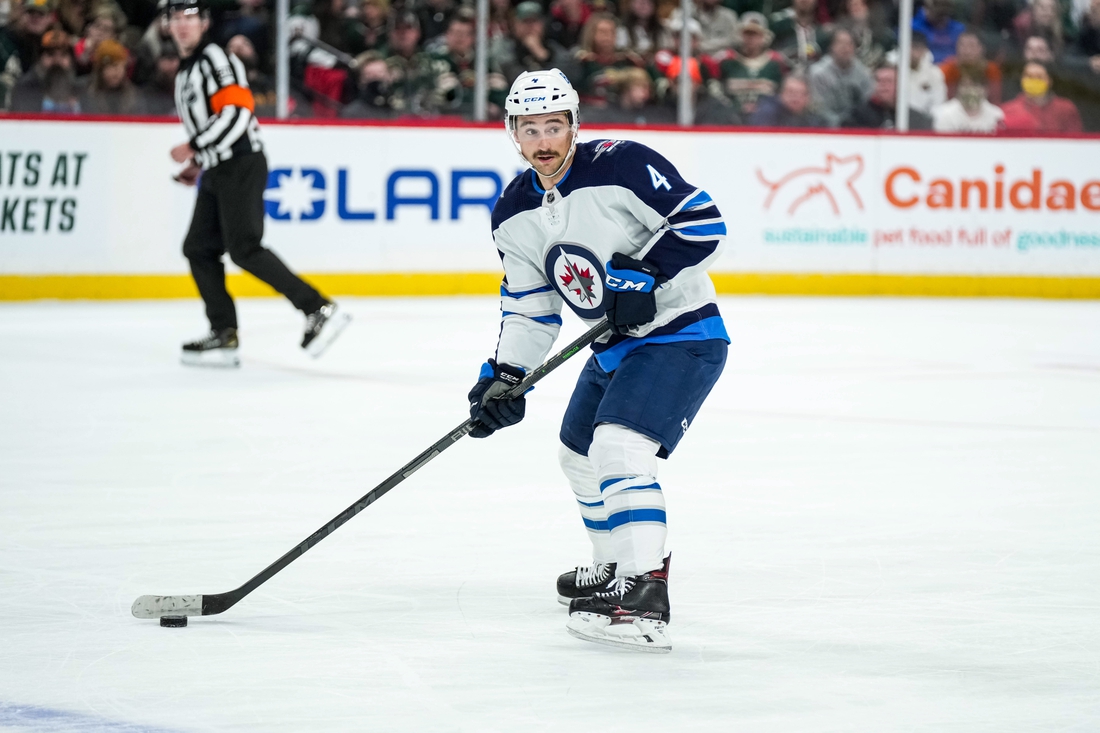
x,y
535,99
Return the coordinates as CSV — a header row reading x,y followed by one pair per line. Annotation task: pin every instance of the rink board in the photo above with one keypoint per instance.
x,y
88,210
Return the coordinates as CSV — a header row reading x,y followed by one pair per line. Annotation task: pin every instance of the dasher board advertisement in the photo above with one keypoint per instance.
x,y
90,198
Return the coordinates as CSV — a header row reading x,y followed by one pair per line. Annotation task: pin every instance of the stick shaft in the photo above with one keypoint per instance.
x,y
217,603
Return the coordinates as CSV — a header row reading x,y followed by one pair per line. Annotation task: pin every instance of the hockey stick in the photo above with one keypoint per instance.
x,y
208,605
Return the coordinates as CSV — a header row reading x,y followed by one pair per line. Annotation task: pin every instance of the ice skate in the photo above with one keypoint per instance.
x,y
217,349
322,327
633,613
584,581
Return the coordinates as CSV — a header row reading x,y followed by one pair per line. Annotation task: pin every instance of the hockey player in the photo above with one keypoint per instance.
x,y
611,229
216,107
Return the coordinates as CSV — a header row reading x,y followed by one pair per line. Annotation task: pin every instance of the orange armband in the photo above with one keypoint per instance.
x,y
234,95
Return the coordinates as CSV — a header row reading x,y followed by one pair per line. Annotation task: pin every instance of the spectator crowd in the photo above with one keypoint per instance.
x,y
976,66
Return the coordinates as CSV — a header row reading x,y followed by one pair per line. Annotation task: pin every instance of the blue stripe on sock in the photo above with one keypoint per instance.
x,y
585,503
647,486
593,524
609,482
618,519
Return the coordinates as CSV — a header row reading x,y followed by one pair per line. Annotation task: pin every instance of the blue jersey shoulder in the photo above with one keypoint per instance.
x,y
518,196
631,165
614,152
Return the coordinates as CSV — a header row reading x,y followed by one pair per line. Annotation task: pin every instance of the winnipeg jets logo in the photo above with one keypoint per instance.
x,y
577,280
578,276
605,147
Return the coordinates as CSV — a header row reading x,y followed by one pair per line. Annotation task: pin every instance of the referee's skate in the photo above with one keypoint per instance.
x,y
322,328
216,349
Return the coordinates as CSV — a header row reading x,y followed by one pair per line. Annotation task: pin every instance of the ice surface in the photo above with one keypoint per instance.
x,y
887,518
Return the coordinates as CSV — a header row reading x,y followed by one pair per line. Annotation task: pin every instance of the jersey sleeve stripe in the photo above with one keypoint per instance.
x,y
675,251
216,130
239,71
695,216
219,128
698,222
551,320
505,293
219,59
209,78
539,304
713,229
239,128
700,199
697,199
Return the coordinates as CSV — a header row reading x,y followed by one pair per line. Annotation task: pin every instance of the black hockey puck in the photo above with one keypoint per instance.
x,y
173,622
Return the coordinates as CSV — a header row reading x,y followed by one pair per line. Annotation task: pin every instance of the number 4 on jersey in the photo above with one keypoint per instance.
x,y
658,179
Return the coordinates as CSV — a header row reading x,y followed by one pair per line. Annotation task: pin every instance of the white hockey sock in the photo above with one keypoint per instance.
x,y
582,479
626,467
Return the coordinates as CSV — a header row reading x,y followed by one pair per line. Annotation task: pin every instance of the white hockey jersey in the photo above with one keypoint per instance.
x,y
617,196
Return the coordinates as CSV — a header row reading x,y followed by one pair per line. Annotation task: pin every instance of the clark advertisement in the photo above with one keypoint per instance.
x,y
97,198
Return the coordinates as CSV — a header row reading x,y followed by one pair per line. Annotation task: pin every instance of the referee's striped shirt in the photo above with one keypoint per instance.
x,y
216,107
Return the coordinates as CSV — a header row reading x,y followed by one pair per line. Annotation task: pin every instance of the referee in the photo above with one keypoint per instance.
x,y
215,106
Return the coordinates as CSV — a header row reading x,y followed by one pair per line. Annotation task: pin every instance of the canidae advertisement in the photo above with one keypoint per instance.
x,y
86,198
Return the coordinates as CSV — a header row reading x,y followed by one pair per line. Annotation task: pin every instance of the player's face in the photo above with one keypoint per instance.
x,y
544,140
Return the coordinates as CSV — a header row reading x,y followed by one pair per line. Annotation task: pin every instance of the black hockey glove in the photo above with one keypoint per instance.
x,y
486,405
630,292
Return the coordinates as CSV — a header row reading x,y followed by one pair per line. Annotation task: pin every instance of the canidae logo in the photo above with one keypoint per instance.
x,y
907,187
831,186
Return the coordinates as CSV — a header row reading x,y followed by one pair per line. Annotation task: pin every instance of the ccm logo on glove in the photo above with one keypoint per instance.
x,y
630,296
489,405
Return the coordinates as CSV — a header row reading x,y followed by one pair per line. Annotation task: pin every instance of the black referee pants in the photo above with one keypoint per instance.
x,y
229,217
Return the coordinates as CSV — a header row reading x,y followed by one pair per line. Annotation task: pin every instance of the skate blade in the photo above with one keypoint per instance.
x,y
640,636
218,358
564,600
329,332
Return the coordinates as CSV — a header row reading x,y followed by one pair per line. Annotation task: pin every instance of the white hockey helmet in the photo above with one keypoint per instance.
x,y
539,93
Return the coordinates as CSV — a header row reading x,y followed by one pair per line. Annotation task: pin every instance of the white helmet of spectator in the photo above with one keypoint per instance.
x,y
539,93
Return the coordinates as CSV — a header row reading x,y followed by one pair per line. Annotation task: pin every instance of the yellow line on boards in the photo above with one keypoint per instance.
x,y
997,286
122,287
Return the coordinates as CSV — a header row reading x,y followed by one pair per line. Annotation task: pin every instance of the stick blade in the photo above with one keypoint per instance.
x,y
157,606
